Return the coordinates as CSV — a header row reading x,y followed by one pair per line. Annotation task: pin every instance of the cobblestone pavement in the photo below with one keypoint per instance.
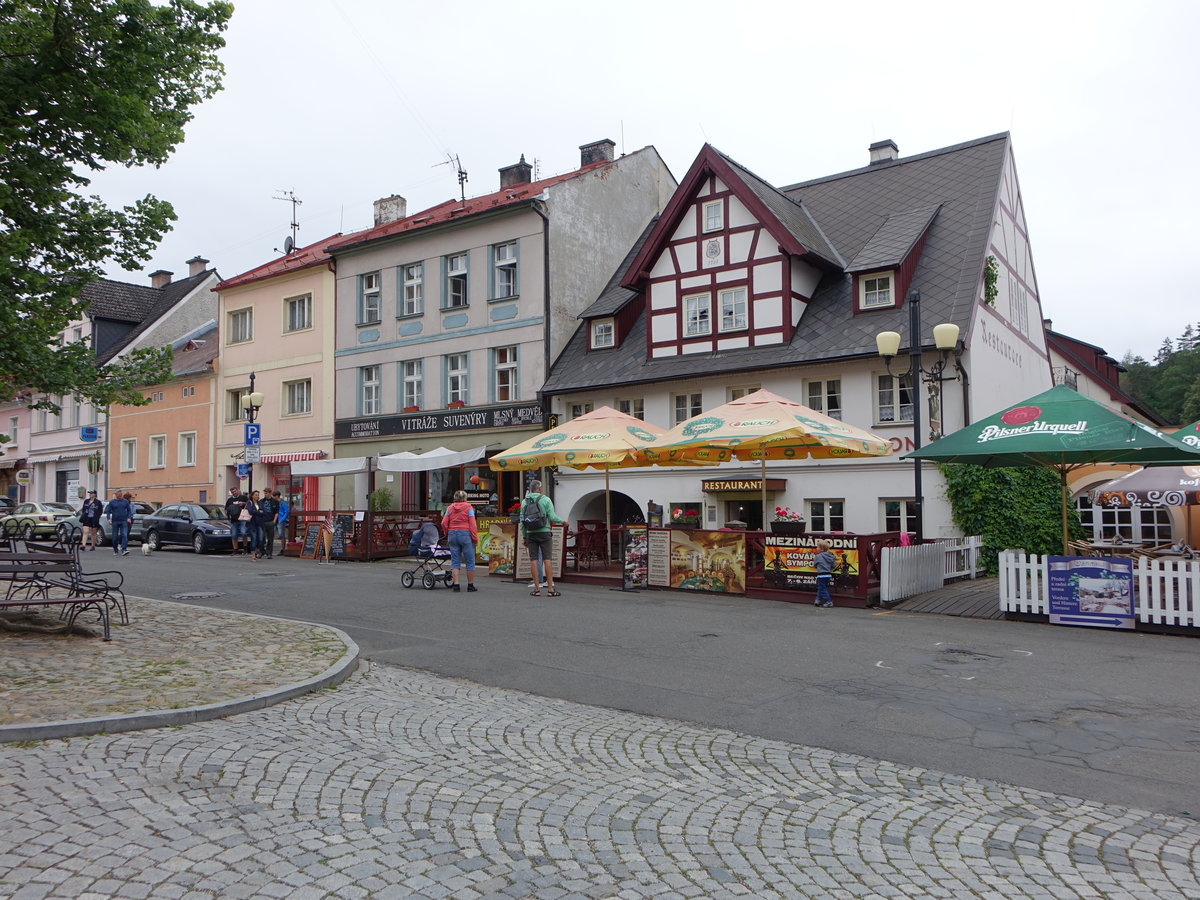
x,y
174,656
404,784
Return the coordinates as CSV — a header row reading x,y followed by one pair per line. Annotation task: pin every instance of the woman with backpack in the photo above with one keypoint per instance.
x,y
537,515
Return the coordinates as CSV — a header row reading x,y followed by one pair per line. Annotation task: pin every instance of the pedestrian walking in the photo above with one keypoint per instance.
x,y
89,520
537,515
462,534
283,511
824,564
120,516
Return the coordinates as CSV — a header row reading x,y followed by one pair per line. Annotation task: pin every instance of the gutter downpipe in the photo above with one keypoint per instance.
x,y
536,205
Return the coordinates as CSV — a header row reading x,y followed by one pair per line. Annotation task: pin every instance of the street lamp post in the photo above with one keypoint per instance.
x,y
251,402
945,338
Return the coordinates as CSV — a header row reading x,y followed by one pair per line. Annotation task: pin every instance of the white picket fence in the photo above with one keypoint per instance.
x,y
1166,591
908,571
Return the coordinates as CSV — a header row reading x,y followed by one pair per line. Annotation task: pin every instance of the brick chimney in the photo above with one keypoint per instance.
x,y
597,151
161,278
196,265
390,209
517,173
883,151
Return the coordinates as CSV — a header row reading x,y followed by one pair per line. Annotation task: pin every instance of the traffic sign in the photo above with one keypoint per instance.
x,y
253,454
243,470
253,434
90,433
24,476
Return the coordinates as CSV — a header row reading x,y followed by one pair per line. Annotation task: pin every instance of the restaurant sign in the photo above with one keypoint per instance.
x,y
519,415
736,485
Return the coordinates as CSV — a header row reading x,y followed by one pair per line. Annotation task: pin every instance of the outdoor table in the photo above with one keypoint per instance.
x,y
1116,549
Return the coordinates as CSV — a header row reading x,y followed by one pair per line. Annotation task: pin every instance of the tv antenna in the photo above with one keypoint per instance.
x,y
289,242
462,174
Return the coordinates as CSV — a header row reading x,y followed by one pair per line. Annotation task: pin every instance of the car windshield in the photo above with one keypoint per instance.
x,y
210,511
143,509
59,506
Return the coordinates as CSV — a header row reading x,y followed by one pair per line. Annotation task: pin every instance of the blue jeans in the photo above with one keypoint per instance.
x,y
823,598
120,536
462,549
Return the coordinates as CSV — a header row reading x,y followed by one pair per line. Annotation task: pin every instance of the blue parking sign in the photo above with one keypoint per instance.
x,y
253,434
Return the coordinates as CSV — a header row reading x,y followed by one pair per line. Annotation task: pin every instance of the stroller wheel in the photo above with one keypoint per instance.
x,y
448,579
407,579
427,581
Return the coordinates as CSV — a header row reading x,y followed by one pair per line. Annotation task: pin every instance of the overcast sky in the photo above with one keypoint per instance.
x,y
346,101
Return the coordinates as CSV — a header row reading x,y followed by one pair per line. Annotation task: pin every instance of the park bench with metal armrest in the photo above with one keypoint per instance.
x,y
53,576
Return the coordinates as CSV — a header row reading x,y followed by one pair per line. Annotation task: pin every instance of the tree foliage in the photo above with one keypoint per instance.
x,y
86,84
1011,508
1170,385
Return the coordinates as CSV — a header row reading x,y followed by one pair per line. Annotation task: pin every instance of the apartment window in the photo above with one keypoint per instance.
x,y
187,448
826,397
128,454
714,215
899,515
413,303
14,424
697,315
368,391
827,515
458,378
684,406
1145,524
189,390
504,364
156,397
368,299
77,335
737,393
580,409
875,291
299,313
413,383
1018,307
241,326
233,404
297,397
604,333
893,399
158,451
733,309
504,271
456,281
634,406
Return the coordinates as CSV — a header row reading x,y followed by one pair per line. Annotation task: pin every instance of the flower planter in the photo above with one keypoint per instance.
x,y
686,525
788,527
412,409
457,404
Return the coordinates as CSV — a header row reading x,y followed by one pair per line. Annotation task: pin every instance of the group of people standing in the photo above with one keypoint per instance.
x,y
119,513
254,519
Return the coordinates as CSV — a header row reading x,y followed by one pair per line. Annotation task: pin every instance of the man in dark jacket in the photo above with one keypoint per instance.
x,y
120,517
238,530
268,513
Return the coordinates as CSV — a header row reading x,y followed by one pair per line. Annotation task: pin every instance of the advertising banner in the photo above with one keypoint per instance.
x,y
636,553
789,561
495,547
557,550
708,561
1091,591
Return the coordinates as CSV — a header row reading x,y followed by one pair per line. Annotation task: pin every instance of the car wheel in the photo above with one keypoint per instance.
x,y
101,538
407,579
427,581
27,531
198,543
152,540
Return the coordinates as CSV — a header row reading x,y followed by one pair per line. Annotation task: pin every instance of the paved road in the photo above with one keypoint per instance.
x,y
404,784
1110,717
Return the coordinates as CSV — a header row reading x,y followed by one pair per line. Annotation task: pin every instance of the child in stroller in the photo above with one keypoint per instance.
x,y
424,545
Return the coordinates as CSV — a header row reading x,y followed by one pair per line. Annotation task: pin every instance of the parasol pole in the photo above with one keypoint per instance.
x,y
1062,480
607,521
763,461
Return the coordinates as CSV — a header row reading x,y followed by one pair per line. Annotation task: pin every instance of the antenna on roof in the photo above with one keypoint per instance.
x,y
537,169
462,174
289,243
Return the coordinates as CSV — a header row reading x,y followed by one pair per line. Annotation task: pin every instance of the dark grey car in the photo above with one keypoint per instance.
x,y
201,526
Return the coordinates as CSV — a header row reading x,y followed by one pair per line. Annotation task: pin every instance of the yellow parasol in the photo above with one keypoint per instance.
x,y
762,426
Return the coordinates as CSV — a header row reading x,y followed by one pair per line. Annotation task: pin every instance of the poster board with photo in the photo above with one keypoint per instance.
x,y
658,557
1094,592
558,550
497,544
789,561
713,561
634,556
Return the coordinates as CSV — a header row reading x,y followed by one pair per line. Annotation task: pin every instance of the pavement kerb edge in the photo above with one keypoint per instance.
x,y
335,674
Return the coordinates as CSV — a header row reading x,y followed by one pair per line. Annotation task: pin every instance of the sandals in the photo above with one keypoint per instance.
x,y
535,593
553,593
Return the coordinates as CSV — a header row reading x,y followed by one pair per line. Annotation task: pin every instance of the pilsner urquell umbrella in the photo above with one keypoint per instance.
x,y
762,426
1062,430
602,439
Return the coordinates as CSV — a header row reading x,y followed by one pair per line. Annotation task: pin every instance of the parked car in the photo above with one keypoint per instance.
x,y
7,505
137,530
33,519
203,526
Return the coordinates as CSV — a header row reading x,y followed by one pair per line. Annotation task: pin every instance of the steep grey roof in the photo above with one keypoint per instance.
x,y
135,303
791,214
852,208
891,243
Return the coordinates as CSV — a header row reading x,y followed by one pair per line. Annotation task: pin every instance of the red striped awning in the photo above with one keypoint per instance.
x,y
292,457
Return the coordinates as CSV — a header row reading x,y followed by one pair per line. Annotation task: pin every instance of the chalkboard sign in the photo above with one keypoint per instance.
x,y
312,533
343,527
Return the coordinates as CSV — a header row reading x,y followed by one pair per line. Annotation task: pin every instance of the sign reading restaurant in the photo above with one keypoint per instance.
x,y
740,485
517,416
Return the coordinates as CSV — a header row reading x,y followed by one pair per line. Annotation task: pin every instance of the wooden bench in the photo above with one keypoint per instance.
x,y
53,576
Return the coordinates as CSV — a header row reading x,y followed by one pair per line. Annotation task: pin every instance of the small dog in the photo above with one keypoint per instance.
x,y
147,549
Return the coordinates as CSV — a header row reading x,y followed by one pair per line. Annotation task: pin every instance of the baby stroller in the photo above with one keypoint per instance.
x,y
424,546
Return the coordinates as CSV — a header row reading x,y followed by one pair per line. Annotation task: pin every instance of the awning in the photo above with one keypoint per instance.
x,y
302,455
346,466
10,463
440,458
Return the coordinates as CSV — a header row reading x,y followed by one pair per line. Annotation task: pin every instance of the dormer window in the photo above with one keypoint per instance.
x,y
697,315
876,291
604,334
714,216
